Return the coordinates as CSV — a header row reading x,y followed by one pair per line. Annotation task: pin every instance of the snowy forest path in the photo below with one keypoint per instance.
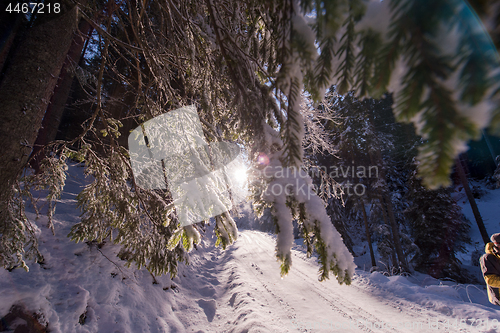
x,y
85,288
251,296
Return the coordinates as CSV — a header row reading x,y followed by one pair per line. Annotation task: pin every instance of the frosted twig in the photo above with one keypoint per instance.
x,y
114,263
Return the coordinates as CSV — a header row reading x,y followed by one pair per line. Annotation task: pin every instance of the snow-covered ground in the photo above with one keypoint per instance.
x,y
82,288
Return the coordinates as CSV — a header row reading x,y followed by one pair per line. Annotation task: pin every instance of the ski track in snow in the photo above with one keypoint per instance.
x,y
299,298
251,297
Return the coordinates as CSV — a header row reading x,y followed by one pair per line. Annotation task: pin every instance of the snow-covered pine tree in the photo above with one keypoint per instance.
x,y
390,203
363,135
245,65
438,228
353,139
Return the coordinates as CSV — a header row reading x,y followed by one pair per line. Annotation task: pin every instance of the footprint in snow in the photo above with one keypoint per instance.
x,y
209,308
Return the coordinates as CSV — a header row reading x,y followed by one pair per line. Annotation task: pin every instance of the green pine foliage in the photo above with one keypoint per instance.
x,y
141,221
439,230
427,96
346,50
370,43
18,241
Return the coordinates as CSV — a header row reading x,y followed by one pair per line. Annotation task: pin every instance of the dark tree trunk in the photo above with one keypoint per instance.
x,y
368,236
387,203
472,201
55,109
395,233
10,24
27,86
386,221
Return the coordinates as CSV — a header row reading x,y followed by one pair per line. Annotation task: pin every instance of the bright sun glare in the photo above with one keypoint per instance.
x,y
241,174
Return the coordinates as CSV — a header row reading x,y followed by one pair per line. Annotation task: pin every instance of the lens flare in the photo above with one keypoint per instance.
x,y
263,159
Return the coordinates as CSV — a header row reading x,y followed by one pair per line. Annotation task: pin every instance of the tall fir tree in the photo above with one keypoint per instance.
x,y
439,229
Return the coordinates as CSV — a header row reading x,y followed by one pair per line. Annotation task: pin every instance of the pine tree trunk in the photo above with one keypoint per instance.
x,y
395,233
340,227
368,236
55,109
394,226
472,201
27,87
386,221
10,23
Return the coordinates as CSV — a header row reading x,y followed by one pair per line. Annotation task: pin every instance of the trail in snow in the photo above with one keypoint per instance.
x,y
251,297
